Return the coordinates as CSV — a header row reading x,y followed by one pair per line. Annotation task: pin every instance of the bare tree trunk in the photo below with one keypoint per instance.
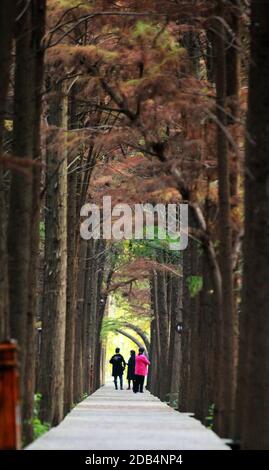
x,y
87,319
163,321
152,355
233,62
93,313
39,12
7,16
254,321
233,82
72,271
156,388
55,281
183,398
175,340
100,308
20,209
208,344
78,369
226,399
195,334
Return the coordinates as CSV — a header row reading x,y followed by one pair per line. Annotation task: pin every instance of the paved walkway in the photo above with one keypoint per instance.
x,y
121,420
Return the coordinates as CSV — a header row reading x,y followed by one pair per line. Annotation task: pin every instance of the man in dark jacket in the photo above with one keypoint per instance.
x,y
118,366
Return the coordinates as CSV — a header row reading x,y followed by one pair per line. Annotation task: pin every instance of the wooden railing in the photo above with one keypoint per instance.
x,y
10,413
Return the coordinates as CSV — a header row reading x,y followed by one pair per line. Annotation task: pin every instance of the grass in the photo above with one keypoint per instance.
x,y
39,428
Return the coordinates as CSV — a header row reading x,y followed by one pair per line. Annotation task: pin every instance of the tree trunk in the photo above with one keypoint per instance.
x,y
55,277
163,321
195,320
208,344
155,388
78,353
183,398
72,271
226,357
233,82
100,309
39,12
87,319
254,321
153,358
175,340
7,16
21,187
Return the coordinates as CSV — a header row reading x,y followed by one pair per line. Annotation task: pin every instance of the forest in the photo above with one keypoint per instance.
x,y
153,102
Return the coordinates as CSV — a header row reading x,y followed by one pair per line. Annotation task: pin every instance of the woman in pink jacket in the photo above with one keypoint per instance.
x,y
141,370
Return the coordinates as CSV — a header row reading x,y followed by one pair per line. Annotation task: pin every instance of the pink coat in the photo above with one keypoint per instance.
x,y
141,364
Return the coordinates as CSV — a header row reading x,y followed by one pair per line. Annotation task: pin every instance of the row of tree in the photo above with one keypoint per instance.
x,y
145,103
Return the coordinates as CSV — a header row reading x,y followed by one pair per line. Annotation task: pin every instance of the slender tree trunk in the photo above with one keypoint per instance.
x,y
87,319
233,83
21,187
208,343
195,320
72,271
153,358
100,310
55,281
233,62
39,12
254,321
78,369
93,314
7,16
183,398
155,308
226,399
175,341
210,56
163,321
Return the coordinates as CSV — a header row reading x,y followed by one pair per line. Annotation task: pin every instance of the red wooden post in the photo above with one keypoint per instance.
x,y
10,417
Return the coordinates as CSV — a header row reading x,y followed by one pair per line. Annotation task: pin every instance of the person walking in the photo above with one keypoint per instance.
x,y
131,369
118,366
141,370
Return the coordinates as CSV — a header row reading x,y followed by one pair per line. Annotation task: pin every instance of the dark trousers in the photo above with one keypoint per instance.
x,y
116,381
129,383
139,383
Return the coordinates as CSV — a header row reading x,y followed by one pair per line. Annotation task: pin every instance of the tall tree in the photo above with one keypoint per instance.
x,y
72,263
254,324
7,17
21,186
55,276
226,319
39,16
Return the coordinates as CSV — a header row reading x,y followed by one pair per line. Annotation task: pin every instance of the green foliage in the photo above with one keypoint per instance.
x,y
42,231
143,28
109,325
74,3
210,418
39,428
152,248
195,285
159,35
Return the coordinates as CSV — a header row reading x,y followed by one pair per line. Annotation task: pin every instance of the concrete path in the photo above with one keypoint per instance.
x,y
121,420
